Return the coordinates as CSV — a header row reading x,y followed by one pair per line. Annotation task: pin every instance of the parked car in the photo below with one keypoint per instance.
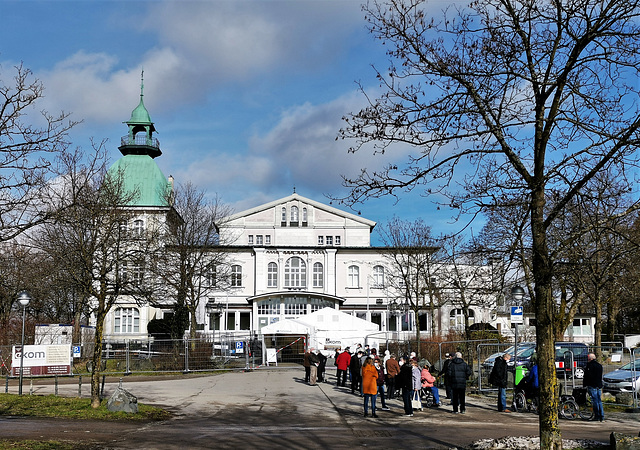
x,y
525,350
624,379
580,354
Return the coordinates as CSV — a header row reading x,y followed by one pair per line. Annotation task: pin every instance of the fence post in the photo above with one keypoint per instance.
x,y
55,383
79,385
186,355
127,370
6,385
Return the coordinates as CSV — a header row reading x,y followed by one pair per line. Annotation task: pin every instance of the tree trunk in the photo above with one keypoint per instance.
x,y
550,437
96,360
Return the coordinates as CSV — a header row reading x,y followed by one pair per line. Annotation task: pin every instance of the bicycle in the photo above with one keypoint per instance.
x,y
568,407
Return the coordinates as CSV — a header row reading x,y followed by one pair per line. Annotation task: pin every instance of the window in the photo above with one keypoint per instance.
x,y
338,240
295,273
138,228
378,276
126,320
295,306
251,239
137,273
272,275
294,216
267,239
270,307
236,276
283,217
318,275
329,240
353,277
210,276
456,319
259,240
304,217
320,240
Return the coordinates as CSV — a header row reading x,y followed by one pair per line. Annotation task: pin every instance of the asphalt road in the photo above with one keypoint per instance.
x,y
274,408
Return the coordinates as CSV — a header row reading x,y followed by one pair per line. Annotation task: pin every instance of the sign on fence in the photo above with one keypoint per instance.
x,y
42,360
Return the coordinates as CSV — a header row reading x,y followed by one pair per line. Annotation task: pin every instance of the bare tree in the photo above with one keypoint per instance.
x,y
29,145
93,245
408,249
526,98
190,265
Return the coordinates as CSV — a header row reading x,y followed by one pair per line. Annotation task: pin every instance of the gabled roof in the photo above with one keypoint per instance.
x,y
298,197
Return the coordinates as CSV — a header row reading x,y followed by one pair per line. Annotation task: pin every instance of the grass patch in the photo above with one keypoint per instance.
x,y
45,445
71,408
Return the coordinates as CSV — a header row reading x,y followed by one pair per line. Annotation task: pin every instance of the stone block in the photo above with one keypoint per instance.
x,y
624,398
122,400
621,441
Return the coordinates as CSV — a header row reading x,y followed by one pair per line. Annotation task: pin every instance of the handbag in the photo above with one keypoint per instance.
x,y
416,403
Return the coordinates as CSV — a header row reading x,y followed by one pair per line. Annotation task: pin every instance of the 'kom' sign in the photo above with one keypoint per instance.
x,y
42,360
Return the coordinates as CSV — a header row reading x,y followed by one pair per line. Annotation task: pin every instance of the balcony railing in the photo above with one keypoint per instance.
x,y
140,139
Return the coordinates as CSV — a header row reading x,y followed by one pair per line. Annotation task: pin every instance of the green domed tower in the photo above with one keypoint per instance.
x,y
140,171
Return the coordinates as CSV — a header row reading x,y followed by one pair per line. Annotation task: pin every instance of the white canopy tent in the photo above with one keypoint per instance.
x,y
327,330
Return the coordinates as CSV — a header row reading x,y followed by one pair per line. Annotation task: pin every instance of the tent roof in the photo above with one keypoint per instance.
x,y
326,319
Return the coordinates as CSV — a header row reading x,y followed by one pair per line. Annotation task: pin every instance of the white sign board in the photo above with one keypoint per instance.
x,y
517,314
42,360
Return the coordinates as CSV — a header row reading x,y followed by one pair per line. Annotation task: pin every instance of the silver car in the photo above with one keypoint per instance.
x,y
624,379
525,350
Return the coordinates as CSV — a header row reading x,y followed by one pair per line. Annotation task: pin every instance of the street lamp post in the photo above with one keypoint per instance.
x,y
23,298
213,308
518,294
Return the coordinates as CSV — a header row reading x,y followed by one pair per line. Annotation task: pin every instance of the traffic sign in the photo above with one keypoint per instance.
x,y
239,347
517,314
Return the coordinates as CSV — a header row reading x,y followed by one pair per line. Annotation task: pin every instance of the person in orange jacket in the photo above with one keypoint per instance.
x,y
369,385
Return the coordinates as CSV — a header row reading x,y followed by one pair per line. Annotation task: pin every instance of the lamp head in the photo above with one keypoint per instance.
x,y
24,298
517,293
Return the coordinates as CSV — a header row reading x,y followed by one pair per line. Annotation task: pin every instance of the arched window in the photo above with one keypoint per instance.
x,y
272,275
456,319
318,275
294,215
284,215
353,277
126,320
304,216
378,276
236,276
295,273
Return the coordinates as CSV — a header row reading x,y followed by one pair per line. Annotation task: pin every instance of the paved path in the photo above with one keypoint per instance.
x,y
274,408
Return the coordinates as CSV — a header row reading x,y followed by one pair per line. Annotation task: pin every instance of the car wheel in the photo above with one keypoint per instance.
x,y
579,373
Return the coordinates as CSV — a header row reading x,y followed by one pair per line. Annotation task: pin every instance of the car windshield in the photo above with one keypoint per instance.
x,y
629,366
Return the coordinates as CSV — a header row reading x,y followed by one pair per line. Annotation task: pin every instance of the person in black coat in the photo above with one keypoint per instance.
x,y
499,378
458,372
593,382
443,374
354,370
405,381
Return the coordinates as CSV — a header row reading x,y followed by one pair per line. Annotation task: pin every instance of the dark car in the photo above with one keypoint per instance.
x,y
565,352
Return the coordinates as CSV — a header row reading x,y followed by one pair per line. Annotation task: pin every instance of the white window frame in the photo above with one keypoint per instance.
x,y
272,275
236,275
126,320
295,273
353,276
318,275
378,276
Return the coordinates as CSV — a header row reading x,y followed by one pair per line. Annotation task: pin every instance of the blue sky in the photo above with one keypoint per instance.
x,y
247,96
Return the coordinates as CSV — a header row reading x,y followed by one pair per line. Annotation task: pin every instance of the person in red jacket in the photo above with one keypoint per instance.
x,y
343,361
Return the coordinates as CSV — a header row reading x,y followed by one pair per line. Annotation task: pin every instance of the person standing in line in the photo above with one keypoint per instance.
x,y
314,361
458,372
369,385
343,360
354,371
381,376
307,366
498,378
593,382
393,369
322,365
445,377
416,380
405,382
428,381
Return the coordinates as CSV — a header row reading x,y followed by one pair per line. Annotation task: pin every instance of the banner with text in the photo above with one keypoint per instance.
x,y
42,360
